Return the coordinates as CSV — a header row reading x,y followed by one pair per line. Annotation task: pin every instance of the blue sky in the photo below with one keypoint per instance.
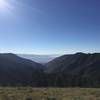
x,y
50,26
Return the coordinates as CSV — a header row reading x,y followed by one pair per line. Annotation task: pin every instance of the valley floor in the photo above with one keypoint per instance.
x,y
28,93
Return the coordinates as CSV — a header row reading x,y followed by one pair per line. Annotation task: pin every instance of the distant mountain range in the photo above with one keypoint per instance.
x,y
39,58
74,70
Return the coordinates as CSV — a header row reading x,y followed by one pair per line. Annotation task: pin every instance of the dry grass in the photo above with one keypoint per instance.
x,y
28,93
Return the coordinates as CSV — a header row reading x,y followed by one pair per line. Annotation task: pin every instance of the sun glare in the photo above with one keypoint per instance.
x,y
4,5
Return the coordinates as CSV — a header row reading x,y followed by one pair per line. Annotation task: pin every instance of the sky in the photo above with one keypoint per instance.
x,y
49,26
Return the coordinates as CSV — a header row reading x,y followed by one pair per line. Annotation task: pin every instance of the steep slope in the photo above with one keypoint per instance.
x,y
72,63
16,70
75,70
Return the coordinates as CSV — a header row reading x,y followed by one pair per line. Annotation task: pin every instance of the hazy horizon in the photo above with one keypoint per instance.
x,y
48,27
48,54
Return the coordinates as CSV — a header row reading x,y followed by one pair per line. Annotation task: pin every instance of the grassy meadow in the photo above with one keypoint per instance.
x,y
29,93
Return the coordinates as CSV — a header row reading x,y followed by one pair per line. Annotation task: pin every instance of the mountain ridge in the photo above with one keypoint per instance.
x,y
72,70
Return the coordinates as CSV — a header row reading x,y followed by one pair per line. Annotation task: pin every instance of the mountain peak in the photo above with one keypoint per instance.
x,y
80,53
